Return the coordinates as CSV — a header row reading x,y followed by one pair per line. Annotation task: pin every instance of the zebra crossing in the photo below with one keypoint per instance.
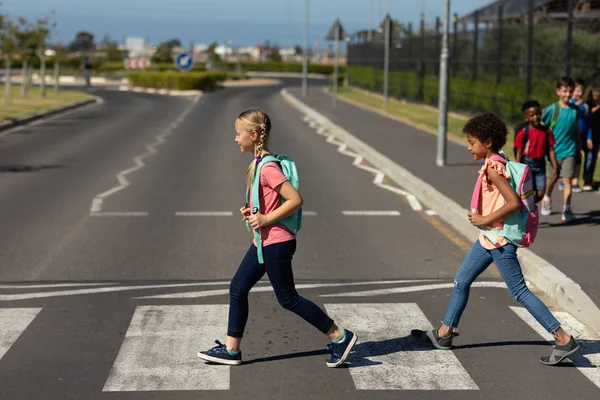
x,y
158,352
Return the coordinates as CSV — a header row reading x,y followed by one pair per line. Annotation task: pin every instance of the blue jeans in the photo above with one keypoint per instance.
x,y
537,166
506,260
591,156
278,266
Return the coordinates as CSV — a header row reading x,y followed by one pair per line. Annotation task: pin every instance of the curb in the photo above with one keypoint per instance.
x,y
285,75
545,276
48,113
137,89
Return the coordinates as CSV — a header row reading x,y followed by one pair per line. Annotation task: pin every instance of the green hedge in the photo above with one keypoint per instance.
x,y
465,95
177,80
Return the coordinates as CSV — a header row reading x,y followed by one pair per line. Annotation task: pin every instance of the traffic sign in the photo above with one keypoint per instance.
x,y
137,63
341,33
184,61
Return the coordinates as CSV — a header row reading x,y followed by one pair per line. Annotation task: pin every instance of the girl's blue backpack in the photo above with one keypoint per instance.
x,y
293,223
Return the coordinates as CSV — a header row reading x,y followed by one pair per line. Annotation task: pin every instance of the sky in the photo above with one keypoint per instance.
x,y
244,22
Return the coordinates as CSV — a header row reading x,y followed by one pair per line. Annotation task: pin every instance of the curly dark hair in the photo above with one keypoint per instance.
x,y
488,126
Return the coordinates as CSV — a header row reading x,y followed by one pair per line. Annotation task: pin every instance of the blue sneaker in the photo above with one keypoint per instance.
x,y
220,355
340,351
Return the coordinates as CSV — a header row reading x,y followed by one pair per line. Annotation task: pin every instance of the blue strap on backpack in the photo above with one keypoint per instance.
x,y
292,223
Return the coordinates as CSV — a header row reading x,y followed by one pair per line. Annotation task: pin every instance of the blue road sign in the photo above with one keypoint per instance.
x,y
184,61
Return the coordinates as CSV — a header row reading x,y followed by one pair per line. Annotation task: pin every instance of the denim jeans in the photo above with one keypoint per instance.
x,y
278,266
537,166
591,156
508,265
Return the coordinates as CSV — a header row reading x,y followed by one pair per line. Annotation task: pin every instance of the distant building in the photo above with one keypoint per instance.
x,y
137,46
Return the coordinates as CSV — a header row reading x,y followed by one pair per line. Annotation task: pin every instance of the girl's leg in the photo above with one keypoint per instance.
x,y
278,261
475,263
508,265
248,273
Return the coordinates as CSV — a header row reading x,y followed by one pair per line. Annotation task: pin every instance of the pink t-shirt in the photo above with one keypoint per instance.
x,y
271,176
491,201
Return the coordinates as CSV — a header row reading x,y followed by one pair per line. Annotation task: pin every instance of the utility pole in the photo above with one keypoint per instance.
x,y
442,140
305,64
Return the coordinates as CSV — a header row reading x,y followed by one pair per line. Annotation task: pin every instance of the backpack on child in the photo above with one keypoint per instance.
x,y
292,223
520,228
525,126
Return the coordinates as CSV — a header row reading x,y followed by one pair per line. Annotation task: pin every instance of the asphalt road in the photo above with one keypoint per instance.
x,y
112,299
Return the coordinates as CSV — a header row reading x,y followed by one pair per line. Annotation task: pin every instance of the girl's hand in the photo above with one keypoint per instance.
x,y
477,220
245,211
257,220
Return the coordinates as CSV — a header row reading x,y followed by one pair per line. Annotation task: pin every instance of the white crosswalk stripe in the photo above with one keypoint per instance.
x,y
587,359
159,350
13,321
387,358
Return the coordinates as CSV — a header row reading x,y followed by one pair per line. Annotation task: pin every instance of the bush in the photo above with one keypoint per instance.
x,y
465,95
177,80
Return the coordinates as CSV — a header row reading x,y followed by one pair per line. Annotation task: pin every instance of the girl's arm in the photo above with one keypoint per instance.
x,y
510,196
293,201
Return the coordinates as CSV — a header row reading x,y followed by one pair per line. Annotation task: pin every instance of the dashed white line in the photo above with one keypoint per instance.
x,y
138,160
414,203
309,213
431,213
119,214
204,213
367,213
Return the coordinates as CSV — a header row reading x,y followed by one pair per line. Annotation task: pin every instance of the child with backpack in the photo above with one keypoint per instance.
x,y
562,118
533,143
592,145
584,115
502,208
273,212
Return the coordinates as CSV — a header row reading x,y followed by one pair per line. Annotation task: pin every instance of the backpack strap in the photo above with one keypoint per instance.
x,y
255,193
555,114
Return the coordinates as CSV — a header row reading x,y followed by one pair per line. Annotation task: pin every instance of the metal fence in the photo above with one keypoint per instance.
x,y
496,62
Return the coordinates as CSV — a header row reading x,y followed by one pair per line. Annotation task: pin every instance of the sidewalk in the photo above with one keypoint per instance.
x,y
572,248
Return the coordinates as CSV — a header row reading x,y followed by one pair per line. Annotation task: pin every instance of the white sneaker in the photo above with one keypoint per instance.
x,y
547,207
577,189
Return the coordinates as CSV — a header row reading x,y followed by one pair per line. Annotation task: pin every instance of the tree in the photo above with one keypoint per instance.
x,y
111,49
298,50
84,42
211,51
164,51
274,54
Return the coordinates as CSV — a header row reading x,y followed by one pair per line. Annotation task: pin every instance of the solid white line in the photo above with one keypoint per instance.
x,y
388,358
138,160
204,213
76,292
409,289
13,321
160,346
431,213
54,285
119,214
309,213
587,359
392,213
221,292
414,203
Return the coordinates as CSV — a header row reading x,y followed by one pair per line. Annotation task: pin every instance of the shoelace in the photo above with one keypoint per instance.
x,y
331,348
219,346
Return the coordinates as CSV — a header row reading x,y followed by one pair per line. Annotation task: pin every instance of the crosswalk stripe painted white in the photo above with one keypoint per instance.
x,y
160,347
368,213
13,321
388,358
587,359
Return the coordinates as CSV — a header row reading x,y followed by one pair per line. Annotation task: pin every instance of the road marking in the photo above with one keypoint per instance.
x,y
409,289
13,321
223,292
414,203
204,213
119,214
309,213
392,213
159,350
587,359
431,213
76,292
54,285
139,160
388,358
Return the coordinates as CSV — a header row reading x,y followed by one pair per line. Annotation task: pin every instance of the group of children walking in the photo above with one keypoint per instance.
x,y
273,213
567,134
